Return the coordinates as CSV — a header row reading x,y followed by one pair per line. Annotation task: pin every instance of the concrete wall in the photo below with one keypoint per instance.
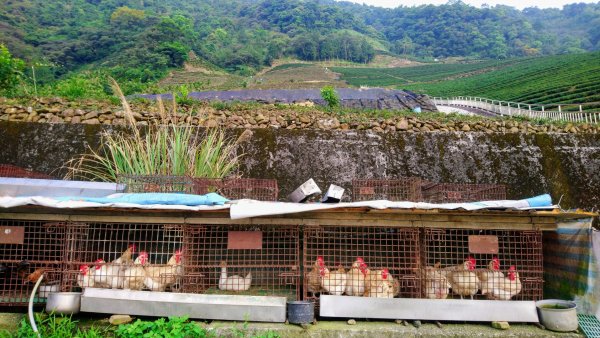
x,y
565,165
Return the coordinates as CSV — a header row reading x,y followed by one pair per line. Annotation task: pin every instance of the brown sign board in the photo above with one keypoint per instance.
x,y
237,240
483,244
12,235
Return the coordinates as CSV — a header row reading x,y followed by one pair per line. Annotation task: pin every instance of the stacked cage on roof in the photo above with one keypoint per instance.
x,y
134,256
482,264
28,250
401,189
370,261
231,188
458,193
8,170
238,188
258,260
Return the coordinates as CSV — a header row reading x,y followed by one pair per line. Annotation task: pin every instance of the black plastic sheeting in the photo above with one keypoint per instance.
x,y
288,95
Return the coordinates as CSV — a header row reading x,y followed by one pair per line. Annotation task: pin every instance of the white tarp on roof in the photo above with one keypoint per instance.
x,y
251,208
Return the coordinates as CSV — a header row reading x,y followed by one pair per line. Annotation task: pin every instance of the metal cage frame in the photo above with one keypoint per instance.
x,y
400,189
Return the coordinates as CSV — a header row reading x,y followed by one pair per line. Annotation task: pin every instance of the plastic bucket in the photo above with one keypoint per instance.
x,y
300,312
558,315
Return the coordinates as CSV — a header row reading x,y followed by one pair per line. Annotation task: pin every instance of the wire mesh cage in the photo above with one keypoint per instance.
x,y
238,188
124,256
401,189
482,264
156,183
28,250
7,170
371,261
458,193
258,260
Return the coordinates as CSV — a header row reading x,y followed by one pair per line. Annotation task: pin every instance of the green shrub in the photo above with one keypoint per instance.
x,y
174,327
55,326
11,70
330,96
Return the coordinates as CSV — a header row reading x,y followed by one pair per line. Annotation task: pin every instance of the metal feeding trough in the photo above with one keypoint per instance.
x,y
429,309
197,306
55,188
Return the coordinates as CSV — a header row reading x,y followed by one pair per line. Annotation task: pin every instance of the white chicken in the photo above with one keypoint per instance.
x,y
488,277
508,287
464,282
134,276
355,285
85,279
334,282
379,284
108,275
436,283
158,278
235,282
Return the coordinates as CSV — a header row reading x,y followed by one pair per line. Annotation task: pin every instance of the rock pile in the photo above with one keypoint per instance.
x,y
268,116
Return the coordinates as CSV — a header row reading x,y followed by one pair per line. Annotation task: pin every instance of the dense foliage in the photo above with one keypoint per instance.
x,y
138,42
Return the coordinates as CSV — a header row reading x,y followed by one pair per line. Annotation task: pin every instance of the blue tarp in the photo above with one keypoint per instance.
x,y
155,198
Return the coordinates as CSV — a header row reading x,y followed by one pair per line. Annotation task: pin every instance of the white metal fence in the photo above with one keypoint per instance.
x,y
505,108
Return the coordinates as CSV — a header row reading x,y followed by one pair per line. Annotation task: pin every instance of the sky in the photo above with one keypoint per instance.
x,y
520,4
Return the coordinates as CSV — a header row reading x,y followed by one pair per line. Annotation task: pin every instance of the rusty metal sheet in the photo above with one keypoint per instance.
x,y
244,240
483,244
12,235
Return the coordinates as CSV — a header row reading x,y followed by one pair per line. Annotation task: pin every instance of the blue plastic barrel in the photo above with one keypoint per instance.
x,y
300,312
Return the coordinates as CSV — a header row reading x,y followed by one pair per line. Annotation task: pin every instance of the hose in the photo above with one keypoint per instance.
x,y
30,309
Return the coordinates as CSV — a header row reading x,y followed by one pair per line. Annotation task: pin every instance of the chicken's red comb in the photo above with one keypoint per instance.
x,y
132,247
83,267
512,268
99,260
143,253
178,252
320,258
360,259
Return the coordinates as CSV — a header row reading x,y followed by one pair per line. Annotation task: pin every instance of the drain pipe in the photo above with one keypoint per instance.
x,y
30,309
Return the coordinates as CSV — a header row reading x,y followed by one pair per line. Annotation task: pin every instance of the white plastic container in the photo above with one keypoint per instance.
x,y
558,315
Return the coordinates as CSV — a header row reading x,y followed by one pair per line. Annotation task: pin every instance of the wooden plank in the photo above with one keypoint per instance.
x,y
127,219
34,217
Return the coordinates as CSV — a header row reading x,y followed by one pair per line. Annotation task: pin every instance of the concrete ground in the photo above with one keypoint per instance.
x,y
333,329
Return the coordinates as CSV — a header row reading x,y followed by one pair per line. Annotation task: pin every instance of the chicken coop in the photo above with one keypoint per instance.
x,y
482,264
8,170
256,260
458,193
28,249
114,252
401,189
373,261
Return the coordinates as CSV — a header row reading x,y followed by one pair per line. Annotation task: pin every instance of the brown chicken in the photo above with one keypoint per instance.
x,y
125,257
313,278
35,275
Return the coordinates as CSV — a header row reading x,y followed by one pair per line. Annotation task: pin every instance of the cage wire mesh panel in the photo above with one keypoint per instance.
x,y
366,261
257,260
402,189
29,249
458,193
156,183
238,188
482,264
7,170
124,256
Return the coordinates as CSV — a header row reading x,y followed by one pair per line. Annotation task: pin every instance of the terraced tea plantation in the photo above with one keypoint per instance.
x,y
563,79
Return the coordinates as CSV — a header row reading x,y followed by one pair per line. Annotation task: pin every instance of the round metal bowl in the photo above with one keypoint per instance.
x,y
558,315
63,302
